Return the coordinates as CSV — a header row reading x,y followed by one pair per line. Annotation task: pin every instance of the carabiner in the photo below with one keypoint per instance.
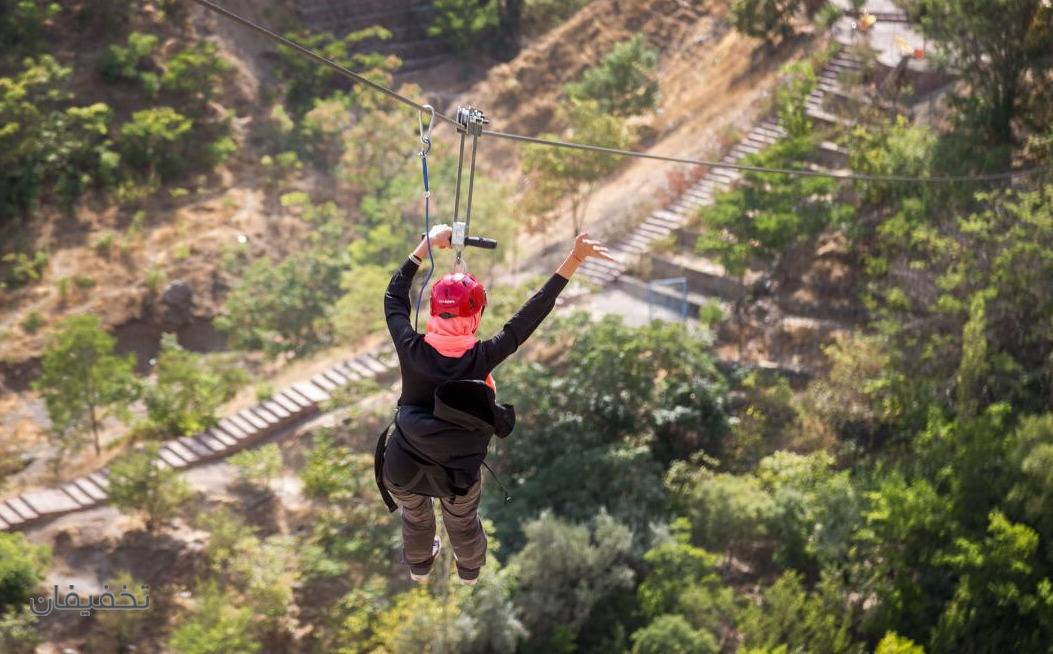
x,y
425,135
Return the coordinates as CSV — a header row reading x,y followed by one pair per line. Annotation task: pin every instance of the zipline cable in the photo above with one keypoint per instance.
x,y
762,169
380,88
325,61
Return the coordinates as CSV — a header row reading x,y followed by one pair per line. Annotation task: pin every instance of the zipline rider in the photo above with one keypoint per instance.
x,y
448,412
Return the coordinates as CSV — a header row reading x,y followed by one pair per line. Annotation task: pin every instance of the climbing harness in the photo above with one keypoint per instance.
x,y
361,79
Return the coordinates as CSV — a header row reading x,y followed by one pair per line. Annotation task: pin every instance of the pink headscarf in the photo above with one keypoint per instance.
x,y
452,337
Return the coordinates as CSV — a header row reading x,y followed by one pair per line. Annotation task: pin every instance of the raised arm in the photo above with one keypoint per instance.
x,y
519,328
396,298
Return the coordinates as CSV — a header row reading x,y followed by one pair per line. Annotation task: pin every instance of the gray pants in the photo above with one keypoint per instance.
x,y
460,515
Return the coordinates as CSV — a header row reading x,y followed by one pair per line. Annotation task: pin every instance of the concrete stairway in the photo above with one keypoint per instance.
x,y
231,434
678,213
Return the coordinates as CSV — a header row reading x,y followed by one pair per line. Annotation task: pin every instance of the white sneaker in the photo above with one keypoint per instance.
x,y
420,573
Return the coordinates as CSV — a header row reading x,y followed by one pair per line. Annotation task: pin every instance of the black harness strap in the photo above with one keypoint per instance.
x,y
378,468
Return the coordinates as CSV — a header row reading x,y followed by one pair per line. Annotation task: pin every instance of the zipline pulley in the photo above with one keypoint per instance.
x,y
470,122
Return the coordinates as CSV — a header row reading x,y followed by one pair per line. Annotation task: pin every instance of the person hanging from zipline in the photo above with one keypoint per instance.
x,y
448,412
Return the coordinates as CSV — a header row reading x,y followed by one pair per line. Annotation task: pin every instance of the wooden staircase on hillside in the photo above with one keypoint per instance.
x,y
232,433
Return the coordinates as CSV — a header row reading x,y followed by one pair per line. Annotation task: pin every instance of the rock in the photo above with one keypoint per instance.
x,y
177,305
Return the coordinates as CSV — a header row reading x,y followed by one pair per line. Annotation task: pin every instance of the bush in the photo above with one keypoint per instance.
x,y
218,624
765,19
671,634
32,322
306,81
22,568
29,103
19,632
24,268
132,62
464,23
283,307
23,24
195,73
624,82
260,465
139,485
155,142
187,391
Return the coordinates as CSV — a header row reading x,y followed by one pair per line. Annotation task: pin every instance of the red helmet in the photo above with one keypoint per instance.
x,y
457,295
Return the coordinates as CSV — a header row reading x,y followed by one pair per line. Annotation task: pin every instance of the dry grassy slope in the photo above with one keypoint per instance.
x,y
712,85
182,238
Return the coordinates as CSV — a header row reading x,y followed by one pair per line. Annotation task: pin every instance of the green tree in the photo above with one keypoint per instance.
x,y
187,391
906,525
19,632
682,579
791,98
565,570
195,73
769,212
465,24
729,513
350,525
1030,458
305,81
80,154
766,213
260,465
140,484
132,62
996,46
998,585
559,173
22,568
27,100
156,142
82,379
118,631
765,19
653,395
285,306
819,621
416,624
671,634
23,24
894,644
356,314
815,509
624,82
497,628
218,624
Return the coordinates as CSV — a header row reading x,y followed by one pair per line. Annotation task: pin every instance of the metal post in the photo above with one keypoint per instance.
x,y
457,190
471,186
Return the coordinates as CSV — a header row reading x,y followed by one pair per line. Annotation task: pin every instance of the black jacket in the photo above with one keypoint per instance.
x,y
447,414
423,368
439,453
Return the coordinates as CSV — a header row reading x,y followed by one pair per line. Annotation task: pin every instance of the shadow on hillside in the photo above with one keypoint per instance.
x,y
766,59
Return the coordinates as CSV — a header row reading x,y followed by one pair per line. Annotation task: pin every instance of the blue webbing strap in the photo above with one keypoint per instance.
x,y
427,235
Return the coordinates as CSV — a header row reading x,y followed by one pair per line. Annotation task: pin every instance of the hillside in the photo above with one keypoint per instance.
x,y
218,223
796,401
